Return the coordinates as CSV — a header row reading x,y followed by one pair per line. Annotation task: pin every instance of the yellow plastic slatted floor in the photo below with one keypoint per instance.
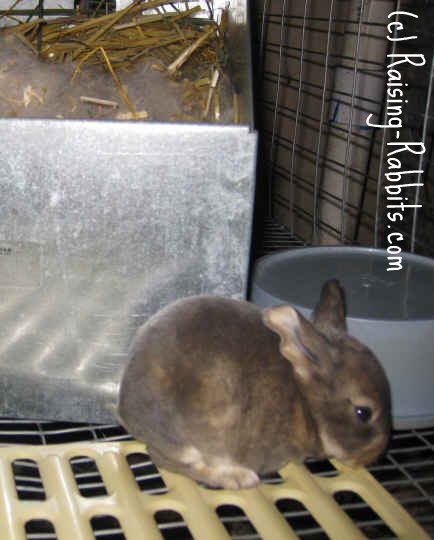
x,y
71,513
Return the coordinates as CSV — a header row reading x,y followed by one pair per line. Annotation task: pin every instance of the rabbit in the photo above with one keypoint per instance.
x,y
223,392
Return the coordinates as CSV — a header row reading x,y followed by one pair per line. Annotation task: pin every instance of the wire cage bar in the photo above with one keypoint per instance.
x,y
324,72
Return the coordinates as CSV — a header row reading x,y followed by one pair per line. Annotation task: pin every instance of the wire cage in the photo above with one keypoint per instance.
x,y
320,71
324,69
336,95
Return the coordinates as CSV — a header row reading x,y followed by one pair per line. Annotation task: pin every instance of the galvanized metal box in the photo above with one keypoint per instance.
x,y
102,223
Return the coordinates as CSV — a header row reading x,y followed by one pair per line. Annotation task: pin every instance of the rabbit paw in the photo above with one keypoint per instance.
x,y
211,471
227,476
236,477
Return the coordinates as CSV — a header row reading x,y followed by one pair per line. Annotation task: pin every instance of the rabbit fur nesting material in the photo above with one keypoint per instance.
x,y
221,391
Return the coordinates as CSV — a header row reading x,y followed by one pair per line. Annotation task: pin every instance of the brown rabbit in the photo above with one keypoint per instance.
x,y
217,396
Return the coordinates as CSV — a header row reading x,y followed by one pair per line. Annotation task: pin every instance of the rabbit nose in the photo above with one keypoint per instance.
x,y
371,452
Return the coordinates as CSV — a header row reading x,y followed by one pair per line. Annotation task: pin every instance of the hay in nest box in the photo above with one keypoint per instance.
x,y
185,50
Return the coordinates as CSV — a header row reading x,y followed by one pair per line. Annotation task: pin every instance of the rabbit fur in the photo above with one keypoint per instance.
x,y
222,392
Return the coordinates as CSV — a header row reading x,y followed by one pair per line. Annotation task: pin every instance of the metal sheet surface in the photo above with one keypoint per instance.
x,y
102,223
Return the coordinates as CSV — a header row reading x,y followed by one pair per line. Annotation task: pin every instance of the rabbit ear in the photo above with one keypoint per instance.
x,y
299,340
329,314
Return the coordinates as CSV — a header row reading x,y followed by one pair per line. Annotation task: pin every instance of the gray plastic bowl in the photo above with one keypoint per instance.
x,y
392,312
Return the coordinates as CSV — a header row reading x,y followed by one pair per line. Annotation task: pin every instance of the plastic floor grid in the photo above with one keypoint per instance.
x,y
68,485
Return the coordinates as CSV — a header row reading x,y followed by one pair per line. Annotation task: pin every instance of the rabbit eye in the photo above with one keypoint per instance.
x,y
363,413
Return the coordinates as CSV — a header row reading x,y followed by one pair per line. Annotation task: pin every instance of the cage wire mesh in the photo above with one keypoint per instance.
x,y
95,6
29,9
322,71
